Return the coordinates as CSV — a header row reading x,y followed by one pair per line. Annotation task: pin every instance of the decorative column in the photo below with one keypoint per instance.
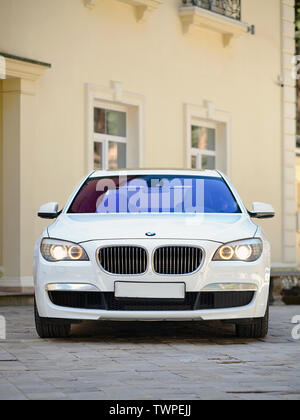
x,y
289,132
19,113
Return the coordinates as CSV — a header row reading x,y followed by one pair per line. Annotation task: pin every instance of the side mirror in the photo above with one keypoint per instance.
x,y
262,211
49,211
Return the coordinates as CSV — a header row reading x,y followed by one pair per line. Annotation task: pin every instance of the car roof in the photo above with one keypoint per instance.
x,y
125,172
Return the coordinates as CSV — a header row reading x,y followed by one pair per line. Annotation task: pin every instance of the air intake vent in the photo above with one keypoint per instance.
x,y
193,301
176,260
125,260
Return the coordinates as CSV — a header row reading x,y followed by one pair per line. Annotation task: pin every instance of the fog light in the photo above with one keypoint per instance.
x,y
231,287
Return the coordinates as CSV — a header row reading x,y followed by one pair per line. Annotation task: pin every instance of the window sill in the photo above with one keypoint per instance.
x,y
193,17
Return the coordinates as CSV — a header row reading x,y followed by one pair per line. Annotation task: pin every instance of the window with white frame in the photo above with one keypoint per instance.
x,y
203,147
110,137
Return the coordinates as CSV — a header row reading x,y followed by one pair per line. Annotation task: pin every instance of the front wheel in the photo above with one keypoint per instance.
x,y
257,328
50,329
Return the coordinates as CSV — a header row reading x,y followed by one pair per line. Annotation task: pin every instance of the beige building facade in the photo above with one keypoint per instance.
x,y
144,83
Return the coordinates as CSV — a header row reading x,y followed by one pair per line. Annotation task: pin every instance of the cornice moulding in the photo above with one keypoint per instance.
x,y
24,70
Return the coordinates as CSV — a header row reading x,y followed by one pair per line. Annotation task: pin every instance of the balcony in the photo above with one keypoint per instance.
x,y
222,16
228,8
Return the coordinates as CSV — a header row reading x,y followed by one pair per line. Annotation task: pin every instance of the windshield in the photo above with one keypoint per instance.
x,y
154,194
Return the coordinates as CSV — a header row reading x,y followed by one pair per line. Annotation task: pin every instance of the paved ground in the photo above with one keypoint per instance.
x,y
149,361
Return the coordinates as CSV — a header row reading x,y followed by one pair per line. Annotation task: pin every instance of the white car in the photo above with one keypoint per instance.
x,y
153,245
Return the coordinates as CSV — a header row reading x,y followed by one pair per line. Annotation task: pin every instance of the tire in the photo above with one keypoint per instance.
x,y
46,328
258,328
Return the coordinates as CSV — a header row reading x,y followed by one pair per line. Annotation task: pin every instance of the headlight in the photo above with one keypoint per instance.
x,y
248,250
54,250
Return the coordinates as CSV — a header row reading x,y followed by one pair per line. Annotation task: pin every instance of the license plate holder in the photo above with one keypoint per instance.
x,y
139,290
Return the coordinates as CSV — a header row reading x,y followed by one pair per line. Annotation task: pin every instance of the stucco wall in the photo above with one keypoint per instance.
x,y
170,69
1,189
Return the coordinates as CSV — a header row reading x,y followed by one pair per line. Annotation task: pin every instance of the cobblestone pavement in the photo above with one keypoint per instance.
x,y
149,361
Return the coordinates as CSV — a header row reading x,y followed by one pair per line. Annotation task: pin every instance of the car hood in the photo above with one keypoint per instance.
x,y
220,228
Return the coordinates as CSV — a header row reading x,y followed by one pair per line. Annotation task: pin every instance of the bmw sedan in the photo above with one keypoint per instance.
x,y
153,245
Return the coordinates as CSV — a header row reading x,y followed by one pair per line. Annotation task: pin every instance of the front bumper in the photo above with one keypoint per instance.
x,y
256,273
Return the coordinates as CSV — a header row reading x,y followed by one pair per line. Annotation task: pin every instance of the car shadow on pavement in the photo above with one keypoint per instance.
x,y
151,332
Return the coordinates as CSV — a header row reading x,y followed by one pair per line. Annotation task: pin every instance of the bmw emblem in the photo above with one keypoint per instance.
x,y
150,234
